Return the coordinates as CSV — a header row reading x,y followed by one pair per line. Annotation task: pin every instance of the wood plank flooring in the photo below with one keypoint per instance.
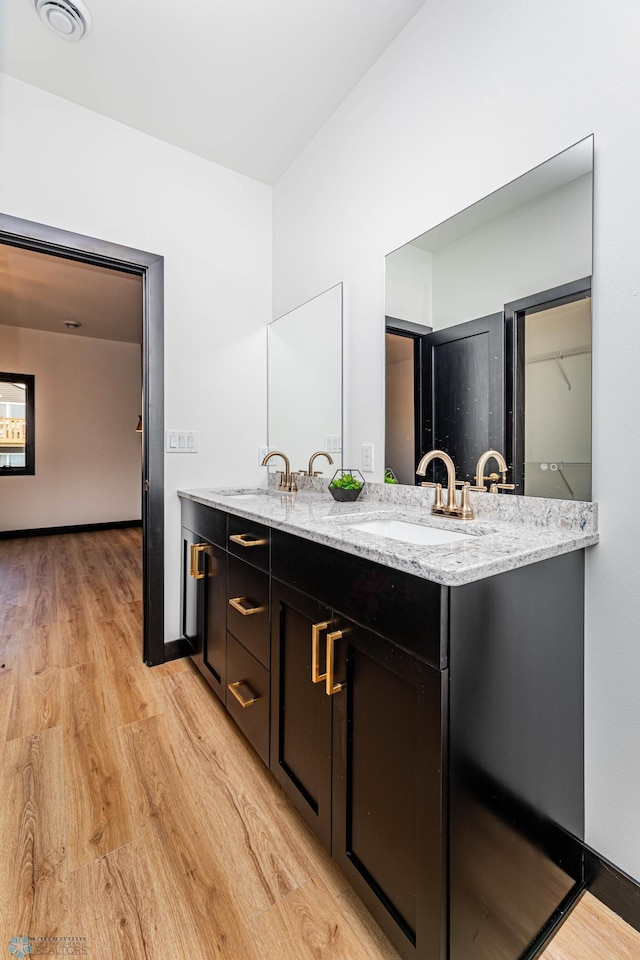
x,y
133,814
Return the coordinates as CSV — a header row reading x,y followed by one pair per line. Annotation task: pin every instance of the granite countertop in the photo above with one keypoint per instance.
x,y
508,531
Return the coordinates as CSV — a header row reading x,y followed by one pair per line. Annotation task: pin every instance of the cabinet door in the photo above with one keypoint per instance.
x,y
189,590
300,708
204,607
388,810
214,617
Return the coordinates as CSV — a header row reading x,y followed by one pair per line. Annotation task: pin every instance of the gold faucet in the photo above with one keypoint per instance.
x,y
318,453
492,477
451,508
287,482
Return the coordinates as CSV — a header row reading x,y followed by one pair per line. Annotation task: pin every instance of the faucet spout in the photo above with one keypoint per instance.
x,y
287,482
451,508
493,477
318,453
421,469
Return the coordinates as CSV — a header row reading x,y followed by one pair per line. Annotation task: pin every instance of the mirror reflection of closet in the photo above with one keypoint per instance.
x,y
495,284
554,397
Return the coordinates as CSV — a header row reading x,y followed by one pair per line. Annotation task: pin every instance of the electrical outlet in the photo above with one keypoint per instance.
x,y
262,452
367,458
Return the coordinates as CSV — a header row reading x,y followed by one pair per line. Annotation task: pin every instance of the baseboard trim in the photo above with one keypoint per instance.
x,y
613,887
174,649
76,528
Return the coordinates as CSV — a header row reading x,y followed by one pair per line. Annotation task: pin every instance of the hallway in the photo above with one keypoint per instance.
x,y
134,817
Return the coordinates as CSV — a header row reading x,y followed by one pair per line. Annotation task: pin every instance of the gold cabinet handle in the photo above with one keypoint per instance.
x,y
247,540
316,630
234,688
194,560
242,605
331,639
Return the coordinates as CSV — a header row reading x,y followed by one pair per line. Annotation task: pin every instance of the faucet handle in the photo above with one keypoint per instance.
x,y
437,503
282,485
466,512
465,483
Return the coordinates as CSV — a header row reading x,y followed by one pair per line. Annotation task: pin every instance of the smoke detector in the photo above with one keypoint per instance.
x,y
70,19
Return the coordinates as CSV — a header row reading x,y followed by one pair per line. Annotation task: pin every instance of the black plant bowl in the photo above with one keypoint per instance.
x,y
344,495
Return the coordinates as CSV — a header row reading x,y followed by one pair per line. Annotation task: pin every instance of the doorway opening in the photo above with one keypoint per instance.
x,y
549,391
403,397
149,267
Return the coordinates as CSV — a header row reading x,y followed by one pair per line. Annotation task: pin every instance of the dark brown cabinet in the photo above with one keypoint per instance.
x,y
225,613
357,740
450,802
431,736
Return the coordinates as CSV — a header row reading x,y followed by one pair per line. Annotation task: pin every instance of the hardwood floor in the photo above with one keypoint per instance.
x,y
134,816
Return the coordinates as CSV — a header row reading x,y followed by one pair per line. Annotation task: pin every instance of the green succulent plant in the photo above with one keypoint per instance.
x,y
346,482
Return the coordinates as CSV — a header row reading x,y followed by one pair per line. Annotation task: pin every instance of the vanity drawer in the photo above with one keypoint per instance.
x,y
406,609
249,540
248,696
248,607
210,524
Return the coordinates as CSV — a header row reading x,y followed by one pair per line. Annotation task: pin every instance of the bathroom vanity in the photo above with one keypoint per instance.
x,y
421,705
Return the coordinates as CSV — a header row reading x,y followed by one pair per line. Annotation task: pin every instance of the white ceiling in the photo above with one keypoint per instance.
x,y
245,83
41,292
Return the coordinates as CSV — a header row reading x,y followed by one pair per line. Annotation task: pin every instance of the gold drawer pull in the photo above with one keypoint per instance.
x,y
331,639
316,629
247,540
233,687
194,560
241,604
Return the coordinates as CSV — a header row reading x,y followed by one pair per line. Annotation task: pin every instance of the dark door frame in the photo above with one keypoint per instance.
x,y
416,332
150,267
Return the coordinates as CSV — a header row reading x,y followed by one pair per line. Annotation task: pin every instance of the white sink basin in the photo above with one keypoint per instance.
x,y
243,494
410,532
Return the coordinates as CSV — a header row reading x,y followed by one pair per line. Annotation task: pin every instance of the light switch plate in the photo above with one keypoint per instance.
x,y
181,441
333,443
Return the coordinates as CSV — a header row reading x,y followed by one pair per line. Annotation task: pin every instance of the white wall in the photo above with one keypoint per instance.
x,y
470,96
408,285
534,248
88,454
66,166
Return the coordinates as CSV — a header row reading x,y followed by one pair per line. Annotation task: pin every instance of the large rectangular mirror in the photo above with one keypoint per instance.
x,y
304,381
488,333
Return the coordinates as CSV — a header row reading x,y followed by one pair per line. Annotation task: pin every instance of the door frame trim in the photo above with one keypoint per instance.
x,y
150,267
